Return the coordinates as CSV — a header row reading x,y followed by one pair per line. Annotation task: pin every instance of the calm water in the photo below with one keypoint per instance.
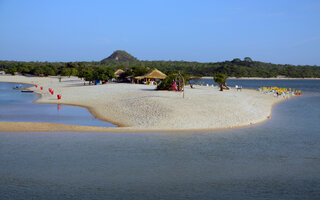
x,y
306,85
279,159
17,106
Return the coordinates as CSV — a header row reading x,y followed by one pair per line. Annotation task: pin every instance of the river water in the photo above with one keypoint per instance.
x,y
278,159
17,106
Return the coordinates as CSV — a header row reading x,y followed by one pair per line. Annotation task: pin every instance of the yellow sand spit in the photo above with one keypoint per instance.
x,y
139,107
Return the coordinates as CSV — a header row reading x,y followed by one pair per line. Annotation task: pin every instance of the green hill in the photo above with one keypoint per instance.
x,y
119,55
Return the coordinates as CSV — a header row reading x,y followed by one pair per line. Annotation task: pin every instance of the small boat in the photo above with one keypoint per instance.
x,y
26,91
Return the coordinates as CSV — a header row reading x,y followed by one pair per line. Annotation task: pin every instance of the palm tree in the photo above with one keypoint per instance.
x,y
221,80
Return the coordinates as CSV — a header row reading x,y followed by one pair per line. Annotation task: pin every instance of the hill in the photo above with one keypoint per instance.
x,y
119,55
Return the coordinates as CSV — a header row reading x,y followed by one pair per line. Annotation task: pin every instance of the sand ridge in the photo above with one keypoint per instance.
x,y
142,108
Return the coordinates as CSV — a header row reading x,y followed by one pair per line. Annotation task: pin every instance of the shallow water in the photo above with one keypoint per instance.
x,y
17,106
304,85
279,159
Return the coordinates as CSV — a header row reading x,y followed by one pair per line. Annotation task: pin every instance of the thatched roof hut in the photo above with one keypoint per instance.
x,y
155,74
118,72
139,77
151,77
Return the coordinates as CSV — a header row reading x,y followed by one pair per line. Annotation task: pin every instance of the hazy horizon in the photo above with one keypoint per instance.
x,y
280,32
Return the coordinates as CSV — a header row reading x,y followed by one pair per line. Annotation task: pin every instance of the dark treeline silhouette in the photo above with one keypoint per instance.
x,y
90,70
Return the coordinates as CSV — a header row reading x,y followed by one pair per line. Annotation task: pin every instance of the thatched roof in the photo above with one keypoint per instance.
x,y
156,74
139,77
118,72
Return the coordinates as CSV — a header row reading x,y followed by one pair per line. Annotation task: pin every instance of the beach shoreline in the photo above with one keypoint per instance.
x,y
140,108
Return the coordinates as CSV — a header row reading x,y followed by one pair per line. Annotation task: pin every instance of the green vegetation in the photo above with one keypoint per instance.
x,y
167,83
221,80
234,68
135,71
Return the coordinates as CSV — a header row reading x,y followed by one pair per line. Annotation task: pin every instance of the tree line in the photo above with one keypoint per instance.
x,y
104,71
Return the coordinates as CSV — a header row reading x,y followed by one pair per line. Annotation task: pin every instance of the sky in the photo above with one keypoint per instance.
x,y
276,31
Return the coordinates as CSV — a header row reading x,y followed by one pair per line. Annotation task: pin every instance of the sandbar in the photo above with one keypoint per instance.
x,y
141,108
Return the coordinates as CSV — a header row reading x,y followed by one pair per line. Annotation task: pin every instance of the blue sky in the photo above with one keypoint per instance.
x,y
277,31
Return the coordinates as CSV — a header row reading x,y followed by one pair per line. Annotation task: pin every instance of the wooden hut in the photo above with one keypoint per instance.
x,y
156,74
151,78
118,73
121,79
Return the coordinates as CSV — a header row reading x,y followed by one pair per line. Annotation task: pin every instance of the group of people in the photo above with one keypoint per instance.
x,y
280,92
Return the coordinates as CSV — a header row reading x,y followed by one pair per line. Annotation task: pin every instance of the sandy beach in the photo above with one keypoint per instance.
x,y
141,108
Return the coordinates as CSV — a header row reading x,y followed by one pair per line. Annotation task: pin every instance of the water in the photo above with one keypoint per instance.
x,y
307,84
17,106
278,159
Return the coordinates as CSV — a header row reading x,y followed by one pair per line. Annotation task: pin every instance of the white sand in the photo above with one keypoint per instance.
x,y
140,107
